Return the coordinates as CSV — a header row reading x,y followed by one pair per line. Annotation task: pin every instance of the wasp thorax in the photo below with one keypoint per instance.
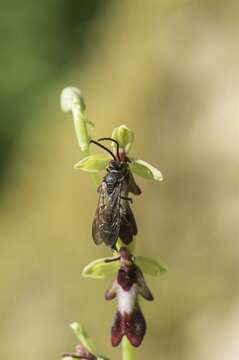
x,y
120,166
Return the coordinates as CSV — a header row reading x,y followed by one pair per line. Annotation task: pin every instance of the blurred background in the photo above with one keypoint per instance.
x,y
169,70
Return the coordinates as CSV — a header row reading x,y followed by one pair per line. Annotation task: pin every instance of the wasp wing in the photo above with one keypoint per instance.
x,y
106,223
128,226
131,184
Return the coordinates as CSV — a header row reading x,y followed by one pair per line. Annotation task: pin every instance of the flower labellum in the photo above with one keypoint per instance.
x,y
129,320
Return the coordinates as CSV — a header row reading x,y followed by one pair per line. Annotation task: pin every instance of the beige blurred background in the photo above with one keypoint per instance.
x,y
169,70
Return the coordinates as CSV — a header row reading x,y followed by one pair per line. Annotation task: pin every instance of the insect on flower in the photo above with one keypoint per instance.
x,y
114,217
130,283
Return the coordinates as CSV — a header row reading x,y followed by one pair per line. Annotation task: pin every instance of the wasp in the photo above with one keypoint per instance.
x,y
114,218
129,320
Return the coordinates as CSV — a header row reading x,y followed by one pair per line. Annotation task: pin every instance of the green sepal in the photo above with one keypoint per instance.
x,y
150,266
144,169
99,269
93,163
83,337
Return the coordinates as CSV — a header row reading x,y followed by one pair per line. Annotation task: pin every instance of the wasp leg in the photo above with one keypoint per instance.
x,y
127,198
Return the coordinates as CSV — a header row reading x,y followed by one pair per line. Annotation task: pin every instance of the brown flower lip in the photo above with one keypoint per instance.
x,y
129,284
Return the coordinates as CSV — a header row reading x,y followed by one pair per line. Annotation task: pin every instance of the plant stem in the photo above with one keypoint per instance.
x,y
127,350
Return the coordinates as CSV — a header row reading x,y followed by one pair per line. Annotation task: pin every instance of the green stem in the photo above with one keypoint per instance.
x,y
127,350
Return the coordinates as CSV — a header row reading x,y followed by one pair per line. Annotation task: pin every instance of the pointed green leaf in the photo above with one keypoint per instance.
x,y
144,169
93,163
99,269
83,337
150,266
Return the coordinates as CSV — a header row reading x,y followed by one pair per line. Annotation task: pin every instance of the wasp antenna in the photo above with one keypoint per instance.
x,y
103,147
115,141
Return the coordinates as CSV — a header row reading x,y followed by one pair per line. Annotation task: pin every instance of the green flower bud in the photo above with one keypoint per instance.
x,y
71,97
72,101
84,350
124,136
83,337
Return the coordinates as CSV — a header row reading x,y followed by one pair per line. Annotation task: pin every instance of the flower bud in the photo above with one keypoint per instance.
x,y
72,101
124,136
71,97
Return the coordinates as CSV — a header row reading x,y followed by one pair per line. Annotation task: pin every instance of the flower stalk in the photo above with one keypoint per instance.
x,y
115,225
128,351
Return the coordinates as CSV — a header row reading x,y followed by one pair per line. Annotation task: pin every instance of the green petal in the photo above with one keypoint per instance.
x,y
144,169
124,136
82,336
99,269
150,266
93,163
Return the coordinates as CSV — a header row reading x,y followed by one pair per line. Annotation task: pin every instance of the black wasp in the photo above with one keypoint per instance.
x,y
114,217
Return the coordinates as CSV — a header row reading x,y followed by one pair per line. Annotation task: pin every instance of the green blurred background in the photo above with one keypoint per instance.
x,y
169,70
